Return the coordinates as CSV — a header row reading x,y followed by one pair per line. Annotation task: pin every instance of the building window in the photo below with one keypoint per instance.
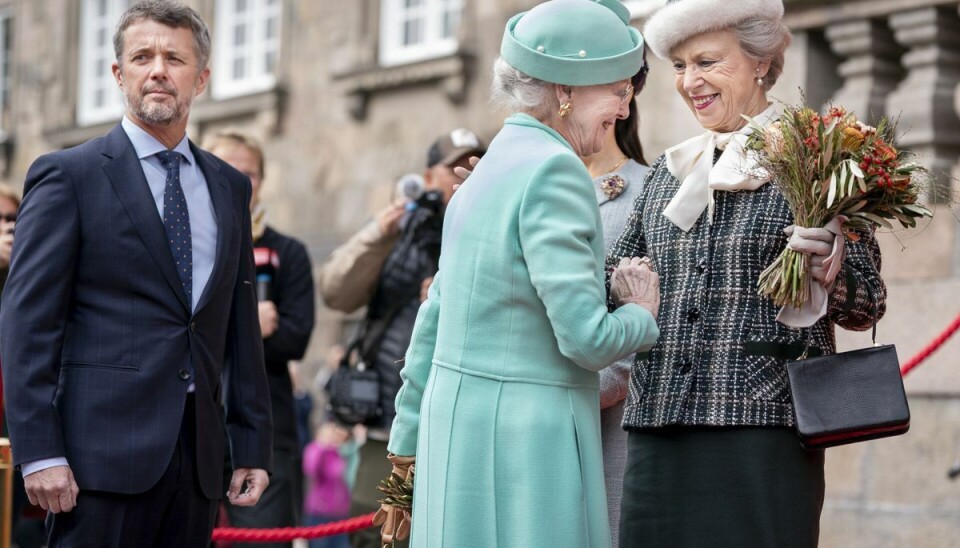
x,y
99,98
6,42
414,30
247,50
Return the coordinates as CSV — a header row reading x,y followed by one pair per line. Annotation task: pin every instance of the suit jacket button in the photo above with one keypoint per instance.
x,y
193,327
701,267
685,367
184,374
693,315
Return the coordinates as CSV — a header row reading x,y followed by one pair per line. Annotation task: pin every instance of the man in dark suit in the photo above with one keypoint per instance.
x,y
131,291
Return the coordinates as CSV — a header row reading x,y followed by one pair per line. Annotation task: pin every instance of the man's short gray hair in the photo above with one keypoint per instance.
x,y
169,13
764,39
519,92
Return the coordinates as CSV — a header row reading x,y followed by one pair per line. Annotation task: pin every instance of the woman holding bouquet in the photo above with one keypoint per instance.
x,y
712,456
500,405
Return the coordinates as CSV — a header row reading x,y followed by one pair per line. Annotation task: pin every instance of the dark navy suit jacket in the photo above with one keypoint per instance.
x,y
97,336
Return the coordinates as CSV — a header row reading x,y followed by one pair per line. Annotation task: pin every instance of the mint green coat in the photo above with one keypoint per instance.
x,y
499,400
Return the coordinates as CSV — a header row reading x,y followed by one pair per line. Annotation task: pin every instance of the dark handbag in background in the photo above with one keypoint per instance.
x,y
849,397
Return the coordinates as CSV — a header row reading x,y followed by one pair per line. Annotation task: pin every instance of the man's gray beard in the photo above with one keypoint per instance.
x,y
158,115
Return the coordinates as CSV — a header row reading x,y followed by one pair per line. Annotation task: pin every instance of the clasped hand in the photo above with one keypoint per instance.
x,y
634,281
395,522
825,246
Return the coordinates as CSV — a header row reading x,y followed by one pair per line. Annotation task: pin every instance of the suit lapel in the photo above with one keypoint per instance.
x,y
125,173
220,196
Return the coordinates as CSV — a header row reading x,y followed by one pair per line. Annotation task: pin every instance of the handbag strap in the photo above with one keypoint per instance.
x,y
873,333
384,324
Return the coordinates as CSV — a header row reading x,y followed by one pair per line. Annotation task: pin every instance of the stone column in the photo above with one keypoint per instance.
x,y
871,66
929,124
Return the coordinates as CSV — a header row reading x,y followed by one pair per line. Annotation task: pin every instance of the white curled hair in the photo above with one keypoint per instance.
x,y
517,91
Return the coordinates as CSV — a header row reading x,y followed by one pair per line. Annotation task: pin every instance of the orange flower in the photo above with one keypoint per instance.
x,y
901,182
885,152
852,139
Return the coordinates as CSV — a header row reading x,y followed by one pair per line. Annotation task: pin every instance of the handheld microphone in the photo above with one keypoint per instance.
x,y
267,263
410,186
264,287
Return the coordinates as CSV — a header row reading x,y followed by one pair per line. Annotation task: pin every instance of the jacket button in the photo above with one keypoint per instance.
x,y
701,267
693,315
193,327
685,367
184,374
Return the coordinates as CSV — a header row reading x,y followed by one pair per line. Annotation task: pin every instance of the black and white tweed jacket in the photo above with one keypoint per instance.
x,y
721,356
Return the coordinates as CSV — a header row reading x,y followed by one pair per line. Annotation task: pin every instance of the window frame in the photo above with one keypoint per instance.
x,y
90,78
393,16
255,48
6,67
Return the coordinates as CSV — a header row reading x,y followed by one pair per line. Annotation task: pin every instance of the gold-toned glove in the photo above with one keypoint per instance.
x,y
393,517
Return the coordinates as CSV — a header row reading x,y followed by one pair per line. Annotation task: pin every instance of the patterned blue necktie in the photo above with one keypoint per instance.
x,y
176,221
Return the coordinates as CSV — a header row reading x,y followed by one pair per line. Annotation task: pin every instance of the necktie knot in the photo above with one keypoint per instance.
x,y
170,159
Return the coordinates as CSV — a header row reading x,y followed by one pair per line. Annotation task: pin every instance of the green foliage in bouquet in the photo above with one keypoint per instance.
x,y
832,165
397,491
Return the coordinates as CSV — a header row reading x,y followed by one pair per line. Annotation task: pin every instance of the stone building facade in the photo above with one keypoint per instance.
x,y
347,94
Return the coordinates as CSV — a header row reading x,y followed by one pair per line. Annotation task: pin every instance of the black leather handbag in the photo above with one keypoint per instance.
x,y
849,397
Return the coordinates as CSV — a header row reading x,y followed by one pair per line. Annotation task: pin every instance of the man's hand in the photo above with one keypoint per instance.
x,y
269,318
388,218
54,489
256,481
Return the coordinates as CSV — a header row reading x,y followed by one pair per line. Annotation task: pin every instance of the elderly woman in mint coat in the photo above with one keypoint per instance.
x,y
500,403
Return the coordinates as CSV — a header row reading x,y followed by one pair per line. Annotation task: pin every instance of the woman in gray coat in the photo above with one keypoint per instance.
x,y
618,171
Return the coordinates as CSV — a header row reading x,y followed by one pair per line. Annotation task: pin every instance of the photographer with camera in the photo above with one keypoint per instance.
x,y
384,266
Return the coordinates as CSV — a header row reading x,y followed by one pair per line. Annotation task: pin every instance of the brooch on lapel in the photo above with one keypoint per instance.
x,y
612,185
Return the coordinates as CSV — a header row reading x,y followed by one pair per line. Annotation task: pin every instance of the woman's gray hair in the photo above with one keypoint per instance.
x,y
764,39
169,13
519,92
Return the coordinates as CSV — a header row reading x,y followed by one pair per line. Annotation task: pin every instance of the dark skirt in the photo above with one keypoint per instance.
x,y
702,487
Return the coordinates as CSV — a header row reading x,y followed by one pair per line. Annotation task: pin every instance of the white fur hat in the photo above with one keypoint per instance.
x,y
681,19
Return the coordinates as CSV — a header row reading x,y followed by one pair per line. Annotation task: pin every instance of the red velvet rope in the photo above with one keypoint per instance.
x,y
362,522
932,347
286,534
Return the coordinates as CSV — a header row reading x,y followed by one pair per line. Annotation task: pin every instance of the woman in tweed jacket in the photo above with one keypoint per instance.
x,y
712,457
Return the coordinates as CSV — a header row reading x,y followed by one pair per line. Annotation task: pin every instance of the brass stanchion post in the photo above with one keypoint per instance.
x,y
6,493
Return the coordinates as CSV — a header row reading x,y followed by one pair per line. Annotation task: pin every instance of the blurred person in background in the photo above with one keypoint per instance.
x,y
9,204
383,267
618,171
327,464
285,296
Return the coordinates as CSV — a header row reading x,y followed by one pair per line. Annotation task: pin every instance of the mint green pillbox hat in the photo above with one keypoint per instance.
x,y
574,42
